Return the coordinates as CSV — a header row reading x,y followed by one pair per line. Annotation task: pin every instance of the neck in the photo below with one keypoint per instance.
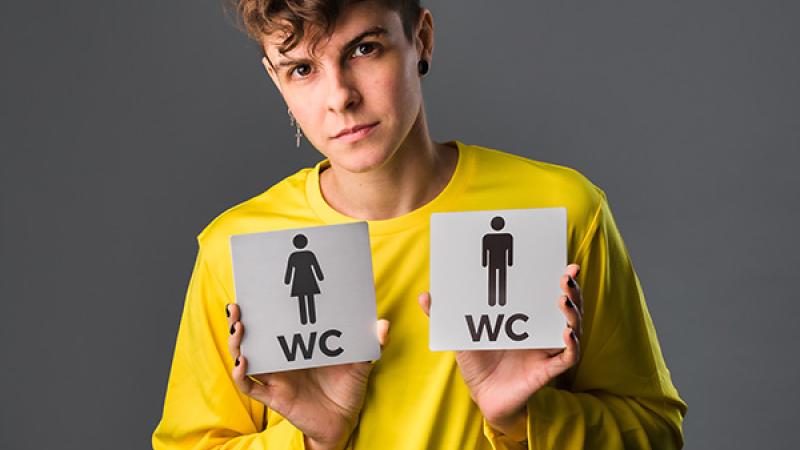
x,y
413,176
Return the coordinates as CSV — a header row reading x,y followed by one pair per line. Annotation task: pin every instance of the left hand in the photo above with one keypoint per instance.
x,y
501,381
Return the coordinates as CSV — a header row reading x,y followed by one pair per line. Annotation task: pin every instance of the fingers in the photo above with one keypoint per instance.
x,y
235,339
570,287
236,329
242,381
247,386
564,360
571,302
571,305
573,270
383,332
424,301
232,311
259,391
573,315
572,353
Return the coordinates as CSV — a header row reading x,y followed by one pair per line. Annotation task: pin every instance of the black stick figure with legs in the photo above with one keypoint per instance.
x,y
302,272
498,255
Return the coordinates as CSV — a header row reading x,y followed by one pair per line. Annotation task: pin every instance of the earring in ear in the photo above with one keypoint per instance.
x,y
297,134
423,66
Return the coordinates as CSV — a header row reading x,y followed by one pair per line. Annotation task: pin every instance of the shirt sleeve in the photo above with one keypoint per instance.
x,y
203,409
620,394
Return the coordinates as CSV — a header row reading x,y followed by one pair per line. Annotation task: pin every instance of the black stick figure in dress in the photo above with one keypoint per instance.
x,y
302,271
498,254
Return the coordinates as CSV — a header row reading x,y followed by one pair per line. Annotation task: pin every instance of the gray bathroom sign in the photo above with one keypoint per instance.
x,y
494,279
306,296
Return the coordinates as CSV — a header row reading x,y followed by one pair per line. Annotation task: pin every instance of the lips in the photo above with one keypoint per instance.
x,y
354,129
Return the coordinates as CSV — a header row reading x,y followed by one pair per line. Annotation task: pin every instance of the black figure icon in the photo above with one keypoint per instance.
x,y
498,255
302,271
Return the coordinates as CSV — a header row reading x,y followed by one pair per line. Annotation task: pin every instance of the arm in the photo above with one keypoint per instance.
x,y
620,394
510,250
484,252
289,269
203,408
317,268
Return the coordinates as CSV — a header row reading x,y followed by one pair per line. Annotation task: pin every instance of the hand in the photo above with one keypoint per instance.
x,y
501,381
322,402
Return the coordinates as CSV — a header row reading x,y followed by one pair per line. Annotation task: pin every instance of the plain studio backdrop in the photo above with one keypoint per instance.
x,y
125,127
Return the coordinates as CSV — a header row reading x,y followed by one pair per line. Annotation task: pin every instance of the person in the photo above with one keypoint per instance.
x,y
350,73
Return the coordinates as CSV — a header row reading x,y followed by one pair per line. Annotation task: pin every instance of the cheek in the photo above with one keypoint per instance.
x,y
309,113
398,89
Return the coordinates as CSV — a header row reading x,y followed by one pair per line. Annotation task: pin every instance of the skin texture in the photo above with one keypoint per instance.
x,y
395,169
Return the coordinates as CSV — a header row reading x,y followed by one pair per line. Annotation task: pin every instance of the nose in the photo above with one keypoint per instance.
x,y
342,92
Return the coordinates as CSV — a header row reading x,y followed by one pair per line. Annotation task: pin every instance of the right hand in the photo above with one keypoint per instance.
x,y
322,402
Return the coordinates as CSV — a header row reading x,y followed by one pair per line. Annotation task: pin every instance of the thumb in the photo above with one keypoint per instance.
x,y
383,332
424,300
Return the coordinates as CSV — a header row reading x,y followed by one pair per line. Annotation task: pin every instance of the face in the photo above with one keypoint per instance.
x,y
363,75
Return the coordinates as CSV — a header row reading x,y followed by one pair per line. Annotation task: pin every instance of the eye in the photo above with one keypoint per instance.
x,y
364,48
302,70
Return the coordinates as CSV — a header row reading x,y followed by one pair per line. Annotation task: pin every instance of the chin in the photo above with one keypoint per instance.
x,y
361,160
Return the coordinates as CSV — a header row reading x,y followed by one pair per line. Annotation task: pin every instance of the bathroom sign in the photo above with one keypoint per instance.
x,y
494,279
306,297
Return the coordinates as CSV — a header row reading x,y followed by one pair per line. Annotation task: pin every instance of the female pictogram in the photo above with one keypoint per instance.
x,y
498,255
302,271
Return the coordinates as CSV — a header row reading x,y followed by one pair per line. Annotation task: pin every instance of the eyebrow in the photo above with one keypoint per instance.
x,y
374,31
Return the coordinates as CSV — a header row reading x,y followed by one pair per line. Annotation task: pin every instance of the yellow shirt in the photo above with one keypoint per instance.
x,y
619,395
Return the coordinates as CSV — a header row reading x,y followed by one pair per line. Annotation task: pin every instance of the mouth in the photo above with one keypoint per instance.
x,y
355,133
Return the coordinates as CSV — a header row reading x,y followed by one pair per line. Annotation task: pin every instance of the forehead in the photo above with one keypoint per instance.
x,y
354,19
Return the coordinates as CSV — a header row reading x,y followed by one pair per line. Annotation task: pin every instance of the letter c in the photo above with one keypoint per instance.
x,y
510,327
323,343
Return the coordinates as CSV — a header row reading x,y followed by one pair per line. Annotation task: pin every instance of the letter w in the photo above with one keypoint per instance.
x,y
297,340
483,323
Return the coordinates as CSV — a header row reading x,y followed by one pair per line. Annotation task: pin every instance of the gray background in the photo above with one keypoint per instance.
x,y
127,126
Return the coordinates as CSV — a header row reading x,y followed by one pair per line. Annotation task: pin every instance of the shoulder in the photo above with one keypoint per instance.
x,y
546,182
502,180
268,210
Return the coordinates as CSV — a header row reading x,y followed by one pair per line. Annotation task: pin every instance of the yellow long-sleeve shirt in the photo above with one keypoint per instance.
x,y
620,394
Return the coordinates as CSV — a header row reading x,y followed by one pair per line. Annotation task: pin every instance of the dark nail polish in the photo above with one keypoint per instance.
x,y
569,303
237,362
233,328
570,282
227,313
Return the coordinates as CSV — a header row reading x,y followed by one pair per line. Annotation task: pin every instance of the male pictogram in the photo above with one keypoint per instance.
x,y
497,256
302,271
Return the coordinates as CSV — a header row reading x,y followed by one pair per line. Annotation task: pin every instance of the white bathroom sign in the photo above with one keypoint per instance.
x,y
306,296
494,279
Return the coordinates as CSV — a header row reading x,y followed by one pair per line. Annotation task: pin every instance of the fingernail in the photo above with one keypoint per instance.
x,y
569,303
578,272
233,328
227,313
237,362
570,282
573,336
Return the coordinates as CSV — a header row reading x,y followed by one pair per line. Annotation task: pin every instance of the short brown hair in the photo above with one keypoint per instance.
x,y
294,18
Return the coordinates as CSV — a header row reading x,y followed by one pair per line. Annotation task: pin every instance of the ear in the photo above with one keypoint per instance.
x,y
271,72
423,37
